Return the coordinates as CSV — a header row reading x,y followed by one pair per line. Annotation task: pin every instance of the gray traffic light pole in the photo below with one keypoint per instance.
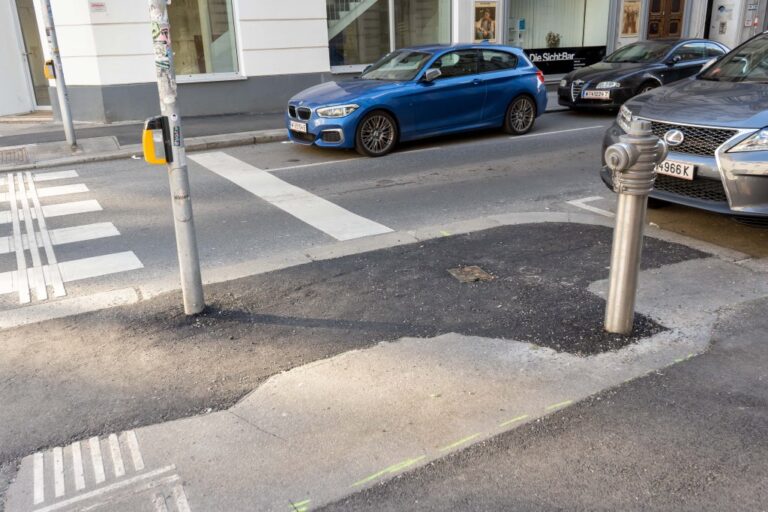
x,y
186,240
61,85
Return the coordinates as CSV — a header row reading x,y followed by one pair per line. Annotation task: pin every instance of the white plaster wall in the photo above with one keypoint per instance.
x,y
282,38
15,92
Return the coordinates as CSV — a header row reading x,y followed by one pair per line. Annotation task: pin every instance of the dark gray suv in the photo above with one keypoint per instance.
x,y
716,125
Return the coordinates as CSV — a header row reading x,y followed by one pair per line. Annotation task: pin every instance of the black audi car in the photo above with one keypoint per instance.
x,y
634,69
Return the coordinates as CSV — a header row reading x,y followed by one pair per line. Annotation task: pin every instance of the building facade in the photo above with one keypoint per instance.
x,y
251,55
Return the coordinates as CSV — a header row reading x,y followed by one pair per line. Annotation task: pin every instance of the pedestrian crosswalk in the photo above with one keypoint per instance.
x,y
29,266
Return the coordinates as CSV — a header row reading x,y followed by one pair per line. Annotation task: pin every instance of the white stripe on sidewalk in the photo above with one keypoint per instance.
x,y
133,447
77,466
180,497
332,219
77,270
38,474
20,278
33,244
58,472
96,460
54,191
54,274
117,457
60,210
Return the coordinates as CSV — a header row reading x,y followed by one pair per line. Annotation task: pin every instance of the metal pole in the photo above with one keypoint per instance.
x,y
633,163
186,241
61,85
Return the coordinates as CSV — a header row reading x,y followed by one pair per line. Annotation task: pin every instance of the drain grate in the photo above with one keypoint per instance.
x,y
470,274
13,156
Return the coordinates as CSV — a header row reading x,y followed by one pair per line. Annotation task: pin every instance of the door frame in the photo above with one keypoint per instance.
x,y
22,45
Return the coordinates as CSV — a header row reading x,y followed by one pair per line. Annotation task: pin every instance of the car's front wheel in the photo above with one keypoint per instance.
x,y
376,134
520,116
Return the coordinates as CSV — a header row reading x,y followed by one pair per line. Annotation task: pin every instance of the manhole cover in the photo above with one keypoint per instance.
x,y
13,156
470,274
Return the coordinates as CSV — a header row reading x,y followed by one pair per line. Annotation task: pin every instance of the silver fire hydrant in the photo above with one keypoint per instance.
x,y
633,164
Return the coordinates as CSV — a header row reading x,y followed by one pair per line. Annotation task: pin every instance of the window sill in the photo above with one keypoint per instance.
x,y
209,77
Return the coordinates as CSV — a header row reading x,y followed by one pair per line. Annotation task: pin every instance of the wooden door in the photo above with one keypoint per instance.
x,y
665,18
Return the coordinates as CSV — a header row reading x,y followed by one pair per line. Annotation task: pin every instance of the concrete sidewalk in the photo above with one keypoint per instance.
x,y
43,145
492,355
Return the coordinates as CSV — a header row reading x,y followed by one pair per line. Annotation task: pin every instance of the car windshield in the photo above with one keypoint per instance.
x,y
645,51
400,65
748,63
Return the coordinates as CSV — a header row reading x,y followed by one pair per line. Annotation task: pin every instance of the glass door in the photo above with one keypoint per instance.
x,y
33,50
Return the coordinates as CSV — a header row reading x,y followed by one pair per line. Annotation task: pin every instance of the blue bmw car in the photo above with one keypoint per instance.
x,y
421,92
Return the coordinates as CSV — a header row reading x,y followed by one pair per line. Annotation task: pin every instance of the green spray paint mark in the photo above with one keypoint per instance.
x,y
390,470
557,406
513,420
459,442
301,506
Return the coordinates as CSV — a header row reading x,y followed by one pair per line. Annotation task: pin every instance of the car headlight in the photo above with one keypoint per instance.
x,y
608,85
624,119
757,142
563,82
337,110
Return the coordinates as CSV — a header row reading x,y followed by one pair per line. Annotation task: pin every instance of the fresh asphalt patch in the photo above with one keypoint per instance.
x,y
693,437
121,368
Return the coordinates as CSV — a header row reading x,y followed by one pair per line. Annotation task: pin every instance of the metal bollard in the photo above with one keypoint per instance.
x,y
633,165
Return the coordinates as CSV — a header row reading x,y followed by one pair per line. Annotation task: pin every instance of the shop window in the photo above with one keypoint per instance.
x,y
558,23
203,36
362,31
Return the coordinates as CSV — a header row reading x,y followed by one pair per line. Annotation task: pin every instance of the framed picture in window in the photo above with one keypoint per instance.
x,y
485,21
630,18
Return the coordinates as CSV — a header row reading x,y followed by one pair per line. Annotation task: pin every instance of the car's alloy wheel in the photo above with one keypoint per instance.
x,y
376,134
521,115
647,87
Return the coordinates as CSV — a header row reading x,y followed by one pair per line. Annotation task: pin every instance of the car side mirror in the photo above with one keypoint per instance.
x,y
674,60
432,74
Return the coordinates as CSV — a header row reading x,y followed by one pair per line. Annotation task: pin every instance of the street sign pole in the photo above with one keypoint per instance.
x,y
61,85
186,240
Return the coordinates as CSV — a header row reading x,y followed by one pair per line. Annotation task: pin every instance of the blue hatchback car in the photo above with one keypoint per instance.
x,y
420,92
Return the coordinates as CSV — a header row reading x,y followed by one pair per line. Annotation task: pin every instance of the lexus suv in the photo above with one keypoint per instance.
x,y
716,126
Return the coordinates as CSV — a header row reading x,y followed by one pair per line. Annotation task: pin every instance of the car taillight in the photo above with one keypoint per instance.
x,y
540,76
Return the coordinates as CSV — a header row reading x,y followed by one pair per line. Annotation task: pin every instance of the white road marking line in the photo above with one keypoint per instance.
x,y
580,203
432,148
58,472
33,244
54,175
54,191
332,219
77,466
60,210
96,460
108,489
83,233
117,457
517,137
38,475
180,497
55,275
98,266
20,275
133,447
64,236
49,176
314,164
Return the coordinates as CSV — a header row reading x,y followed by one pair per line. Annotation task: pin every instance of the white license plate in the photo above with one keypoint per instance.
x,y
597,95
677,169
299,127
